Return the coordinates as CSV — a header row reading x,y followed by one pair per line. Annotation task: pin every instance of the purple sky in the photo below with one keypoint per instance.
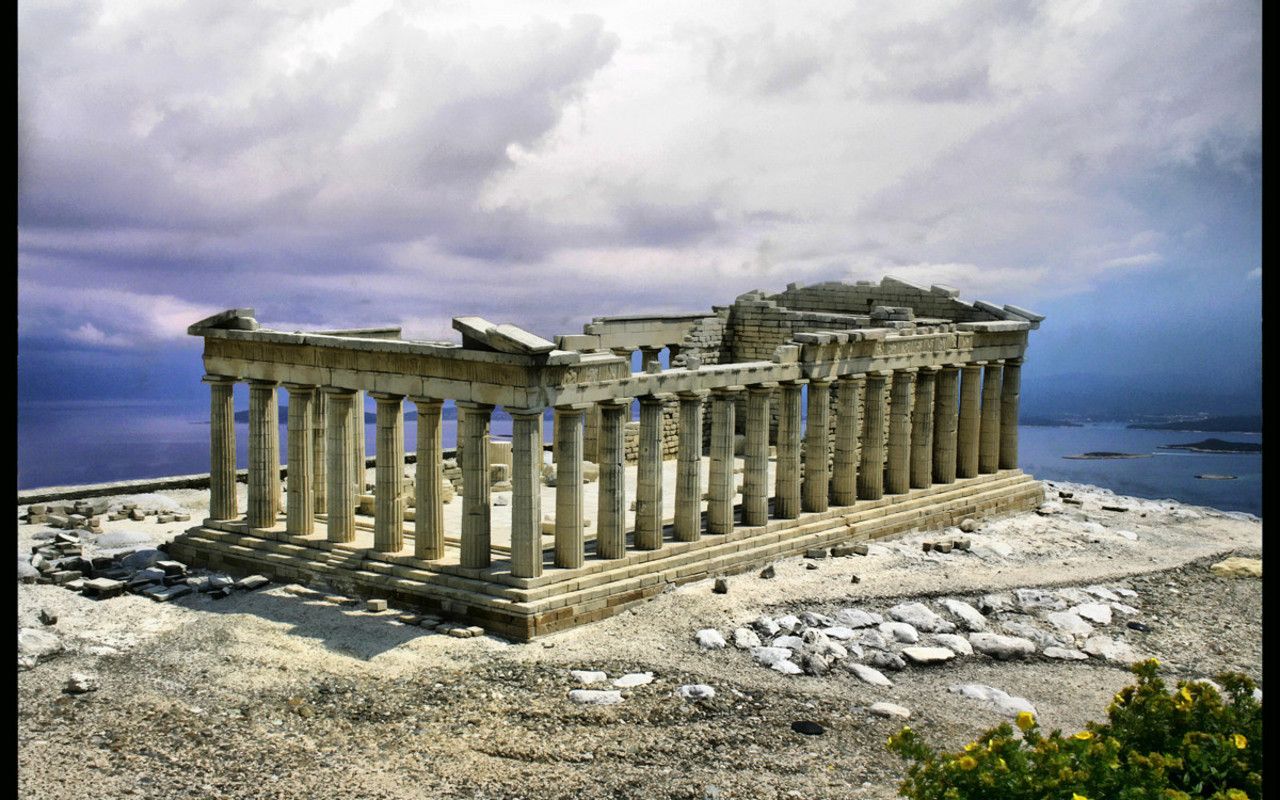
x,y
351,164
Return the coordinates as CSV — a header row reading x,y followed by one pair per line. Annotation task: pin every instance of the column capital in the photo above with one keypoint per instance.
x,y
905,371
266,383
974,364
794,382
952,365
219,379
387,397
614,403
535,412
472,405
692,394
932,369
572,408
295,388
881,374
995,362
1014,362
426,402
765,387
657,398
338,391
727,391
850,378
824,380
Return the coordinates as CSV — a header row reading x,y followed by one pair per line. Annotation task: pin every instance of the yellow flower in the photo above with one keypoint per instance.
x,y
1075,796
1240,741
1083,736
1236,794
967,763
970,747
1026,720
1186,695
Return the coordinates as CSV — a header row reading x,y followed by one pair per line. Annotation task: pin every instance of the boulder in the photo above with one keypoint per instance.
x,y
970,618
868,674
920,617
1000,647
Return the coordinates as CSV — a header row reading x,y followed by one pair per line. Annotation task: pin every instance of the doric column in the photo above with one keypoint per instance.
x,y
649,474
922,429
871,457
341,520
688,520
611,519
989,435
476,523
300,504
649,355
222,448
526,493
786,499
460,422
428,503
844,470
817,475
755,478
721,483
319,461
591,435
358,449
569,541
388,481
946,394
967,429
897,476
1010,395
264,454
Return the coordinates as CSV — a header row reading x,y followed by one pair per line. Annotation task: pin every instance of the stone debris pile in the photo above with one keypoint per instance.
x,y
1070,624
88,514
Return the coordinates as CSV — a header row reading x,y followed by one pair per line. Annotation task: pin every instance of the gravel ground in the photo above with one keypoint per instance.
x,y
273,694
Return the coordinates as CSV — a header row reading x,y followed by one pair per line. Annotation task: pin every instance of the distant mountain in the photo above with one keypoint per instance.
x,y
1236,424
1216,446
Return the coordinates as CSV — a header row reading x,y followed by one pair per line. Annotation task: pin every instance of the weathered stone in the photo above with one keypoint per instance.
x,y
1069,622
696,691
595,697
885,660
1000,647
80,683
900,631
745,638
375,605
786,667
587,677
721,586
888,710
765,626
768,656
968,525
858,618
995,698
970,618
868,674
768,572
920,617
928,655
955,643
710,639
1065,654
1238,567
1094,612
1108,649
251,583
633,679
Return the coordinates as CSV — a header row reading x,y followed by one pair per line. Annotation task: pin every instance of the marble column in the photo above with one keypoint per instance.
x,y
264,455
319,459
476,522
967,429
721,484
358,449
300,505
611,510
946,394
591,435
989,427
688,519
341,520
569,539
649,474
786,500
755,478
428,502
817,474
650,355
388,481
897,477
871,458
844,470
222,448
1010,396
922,429
526,493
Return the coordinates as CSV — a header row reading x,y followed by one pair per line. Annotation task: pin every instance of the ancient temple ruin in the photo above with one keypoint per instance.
x,y
910,397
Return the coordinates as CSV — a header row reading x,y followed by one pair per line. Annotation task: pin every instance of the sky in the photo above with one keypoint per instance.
x,y
336,164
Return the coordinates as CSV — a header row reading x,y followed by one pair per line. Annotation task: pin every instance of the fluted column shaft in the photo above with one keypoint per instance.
x,y
946,394
755,478
388,481
300,504
922,429
222,448
428,502
817,474
968,427
897,477
786,500
358,449
871,457
611,520
319,459
476,522
264,455
649,475
591,435
341,519
526,493
1010,397
688,519
721,483
569,539
989,427
844,469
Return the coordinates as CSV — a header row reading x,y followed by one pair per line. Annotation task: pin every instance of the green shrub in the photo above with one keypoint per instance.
x,y
1156,744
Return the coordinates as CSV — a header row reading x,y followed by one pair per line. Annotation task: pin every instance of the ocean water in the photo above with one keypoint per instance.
x,y
73,443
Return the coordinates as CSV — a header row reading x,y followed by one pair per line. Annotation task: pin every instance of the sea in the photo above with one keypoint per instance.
x,y
69,443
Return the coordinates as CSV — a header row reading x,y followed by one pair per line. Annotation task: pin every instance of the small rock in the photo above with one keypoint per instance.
x,y
721,586
634,679
969,616
881,659
955,643
1000,647
1032,600
962,544
920,617
595,697
890,710
1000,700
857,618
80,683
745,638
1069,622
854,579
968,525
815,664
252,582
1138,626
696,691
375,605
996,604
765,626
47,617
1094,612
710,639
942,547
807,728
789,623
816,553
786,667
839,632
816,620
928,655
926,546
587,677
768,656
768,572
1065,654
810,565
868,674
1109,649
900,631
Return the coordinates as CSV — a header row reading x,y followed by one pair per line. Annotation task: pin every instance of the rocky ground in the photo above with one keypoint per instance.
x,y
281,692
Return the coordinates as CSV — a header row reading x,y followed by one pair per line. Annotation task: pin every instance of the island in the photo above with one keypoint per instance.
x,y
1105,454
1226,424
1216,446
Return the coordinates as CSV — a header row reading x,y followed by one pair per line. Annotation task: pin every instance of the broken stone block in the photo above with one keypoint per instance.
x,y
172,567
768,572
64,576
375,605
942,547
80,683
251,582
163,518
721,586
136,515
163,594
816,552
47,617
103,588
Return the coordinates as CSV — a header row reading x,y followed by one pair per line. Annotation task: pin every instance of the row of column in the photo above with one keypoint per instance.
x,y
937,424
